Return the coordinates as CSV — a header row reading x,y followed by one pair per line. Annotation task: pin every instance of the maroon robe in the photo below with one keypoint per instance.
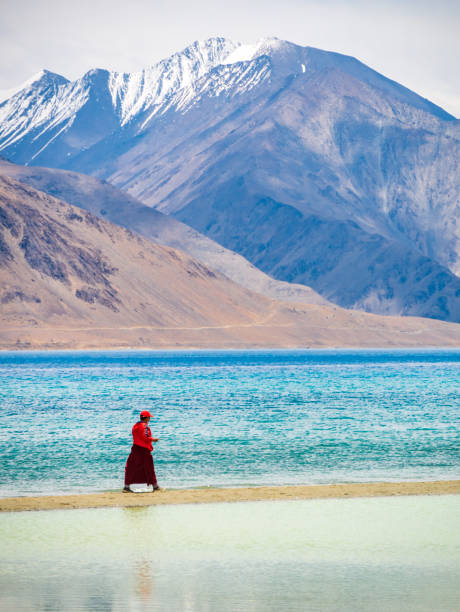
x,y
139,467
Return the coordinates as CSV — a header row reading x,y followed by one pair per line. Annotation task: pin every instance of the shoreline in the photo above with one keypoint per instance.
x,y
235,346
248,348
117,499
294,327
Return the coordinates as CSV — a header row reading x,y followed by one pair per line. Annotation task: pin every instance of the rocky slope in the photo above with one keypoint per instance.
x,y
106,201
313,166
72,280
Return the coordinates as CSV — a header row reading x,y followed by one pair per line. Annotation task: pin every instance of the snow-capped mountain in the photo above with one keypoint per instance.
x,y
313,166
49,116
50,119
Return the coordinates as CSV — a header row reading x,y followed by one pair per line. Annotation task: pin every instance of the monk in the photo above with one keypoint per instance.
x,y
139,467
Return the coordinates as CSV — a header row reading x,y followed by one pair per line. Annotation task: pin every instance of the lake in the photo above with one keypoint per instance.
x,y
228,418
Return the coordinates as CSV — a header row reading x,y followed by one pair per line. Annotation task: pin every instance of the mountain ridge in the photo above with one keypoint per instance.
x,y
135,93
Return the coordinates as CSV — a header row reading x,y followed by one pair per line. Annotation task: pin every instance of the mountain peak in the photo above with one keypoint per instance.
x,y
44,77
212,42
41,80
95,76
209,52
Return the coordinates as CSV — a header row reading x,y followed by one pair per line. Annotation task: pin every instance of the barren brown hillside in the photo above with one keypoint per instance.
x,y
72,280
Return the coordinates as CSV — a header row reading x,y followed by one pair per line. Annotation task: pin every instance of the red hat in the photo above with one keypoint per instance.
x,y
145,413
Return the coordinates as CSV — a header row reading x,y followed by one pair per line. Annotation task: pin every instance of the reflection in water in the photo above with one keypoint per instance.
x,y
348,555
144,584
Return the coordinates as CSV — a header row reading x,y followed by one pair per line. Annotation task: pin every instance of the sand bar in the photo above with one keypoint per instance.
x,y
111,499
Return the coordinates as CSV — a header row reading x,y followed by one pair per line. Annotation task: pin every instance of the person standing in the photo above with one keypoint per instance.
x,y
139,466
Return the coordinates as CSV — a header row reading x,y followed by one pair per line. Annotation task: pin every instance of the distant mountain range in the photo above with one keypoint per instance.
x,y
314,167
72,280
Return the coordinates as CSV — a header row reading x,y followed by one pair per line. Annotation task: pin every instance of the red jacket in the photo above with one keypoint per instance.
x,y
142,436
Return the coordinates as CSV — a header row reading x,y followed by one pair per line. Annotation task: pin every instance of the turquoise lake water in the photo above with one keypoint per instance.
x,y
228,418
348,555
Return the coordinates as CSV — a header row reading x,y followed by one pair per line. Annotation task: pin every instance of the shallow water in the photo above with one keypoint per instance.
x,y
228,418
349,555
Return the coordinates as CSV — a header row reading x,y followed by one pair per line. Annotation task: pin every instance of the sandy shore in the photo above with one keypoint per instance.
x,y
212,495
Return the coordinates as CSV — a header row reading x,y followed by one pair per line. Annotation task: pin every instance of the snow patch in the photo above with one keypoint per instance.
x,y
243,53
247,52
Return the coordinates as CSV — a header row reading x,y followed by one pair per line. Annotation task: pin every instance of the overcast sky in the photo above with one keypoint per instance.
x,y
415,42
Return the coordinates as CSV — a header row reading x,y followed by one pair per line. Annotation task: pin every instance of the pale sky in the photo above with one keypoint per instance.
x,y
414,42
